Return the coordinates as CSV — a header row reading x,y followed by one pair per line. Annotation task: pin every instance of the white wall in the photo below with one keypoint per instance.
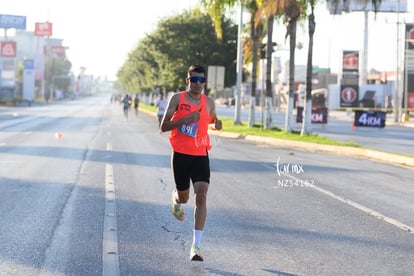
x,y
381,92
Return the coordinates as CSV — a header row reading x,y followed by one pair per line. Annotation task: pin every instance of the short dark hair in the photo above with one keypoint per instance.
x,y
196,68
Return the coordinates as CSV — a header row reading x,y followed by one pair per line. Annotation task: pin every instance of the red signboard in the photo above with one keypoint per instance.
x,y
409,70
350,61
410,100
411,36
8,48
58,51
55,51
43,29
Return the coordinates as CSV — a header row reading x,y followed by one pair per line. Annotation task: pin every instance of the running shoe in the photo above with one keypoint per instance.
x,y
196,254
178,211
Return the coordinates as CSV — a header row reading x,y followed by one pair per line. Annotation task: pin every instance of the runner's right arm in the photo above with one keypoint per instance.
x,y
167,124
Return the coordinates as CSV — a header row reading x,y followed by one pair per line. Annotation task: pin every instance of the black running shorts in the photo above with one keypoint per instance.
x,y
189,167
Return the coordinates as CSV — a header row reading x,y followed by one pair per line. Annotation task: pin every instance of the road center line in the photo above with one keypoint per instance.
x,y
110,256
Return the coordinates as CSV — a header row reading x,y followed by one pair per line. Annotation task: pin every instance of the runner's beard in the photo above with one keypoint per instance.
x,y
196,89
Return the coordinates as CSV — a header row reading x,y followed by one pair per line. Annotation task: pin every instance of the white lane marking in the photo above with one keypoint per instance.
x,y
110,255
358,206
367,210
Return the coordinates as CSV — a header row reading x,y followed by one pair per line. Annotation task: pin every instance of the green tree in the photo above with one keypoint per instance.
x,y
60,69
161,59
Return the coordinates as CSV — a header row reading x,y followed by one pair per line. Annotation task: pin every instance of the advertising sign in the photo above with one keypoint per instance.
x,y
8,72
8,49
409,74
366,118
357,5
43,29
58,51
349,95
319,115
215,77
39,66
28,79
350,61
28,64
12,21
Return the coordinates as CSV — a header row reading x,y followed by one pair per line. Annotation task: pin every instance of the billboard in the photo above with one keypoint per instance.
x,y
43,29
350,61
58,51
8,49
409,66
369,118
12,21
357,5
349,95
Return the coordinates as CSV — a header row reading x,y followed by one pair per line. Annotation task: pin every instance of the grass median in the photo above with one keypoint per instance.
x,y
274,132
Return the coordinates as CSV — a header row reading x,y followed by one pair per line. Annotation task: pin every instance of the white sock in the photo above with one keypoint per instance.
x,y
197,237
175,200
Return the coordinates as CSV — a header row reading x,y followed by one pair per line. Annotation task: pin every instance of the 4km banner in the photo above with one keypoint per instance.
x,y
367,118
319,115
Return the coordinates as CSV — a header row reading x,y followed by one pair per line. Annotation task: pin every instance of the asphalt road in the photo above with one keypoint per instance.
x,y
95,200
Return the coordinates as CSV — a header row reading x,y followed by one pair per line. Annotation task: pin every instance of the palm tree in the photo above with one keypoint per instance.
x,y
291,9
216,8
307,112
256,36
292,14
270,9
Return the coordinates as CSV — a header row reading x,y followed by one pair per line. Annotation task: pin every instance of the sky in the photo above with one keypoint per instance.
x,y
336,33
100,34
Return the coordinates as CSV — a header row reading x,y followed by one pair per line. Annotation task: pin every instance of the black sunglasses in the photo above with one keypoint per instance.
x,y
198,79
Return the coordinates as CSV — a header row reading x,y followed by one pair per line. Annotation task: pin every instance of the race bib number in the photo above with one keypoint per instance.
x,y
189,129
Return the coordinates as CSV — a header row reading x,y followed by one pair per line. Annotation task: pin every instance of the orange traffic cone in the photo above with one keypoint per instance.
x,y
353,126
58,135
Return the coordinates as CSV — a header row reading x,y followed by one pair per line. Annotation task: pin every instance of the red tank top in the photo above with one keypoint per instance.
x,y
191,138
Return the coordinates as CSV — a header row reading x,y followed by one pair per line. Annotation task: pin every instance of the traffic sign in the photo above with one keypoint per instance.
x,y
349,95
